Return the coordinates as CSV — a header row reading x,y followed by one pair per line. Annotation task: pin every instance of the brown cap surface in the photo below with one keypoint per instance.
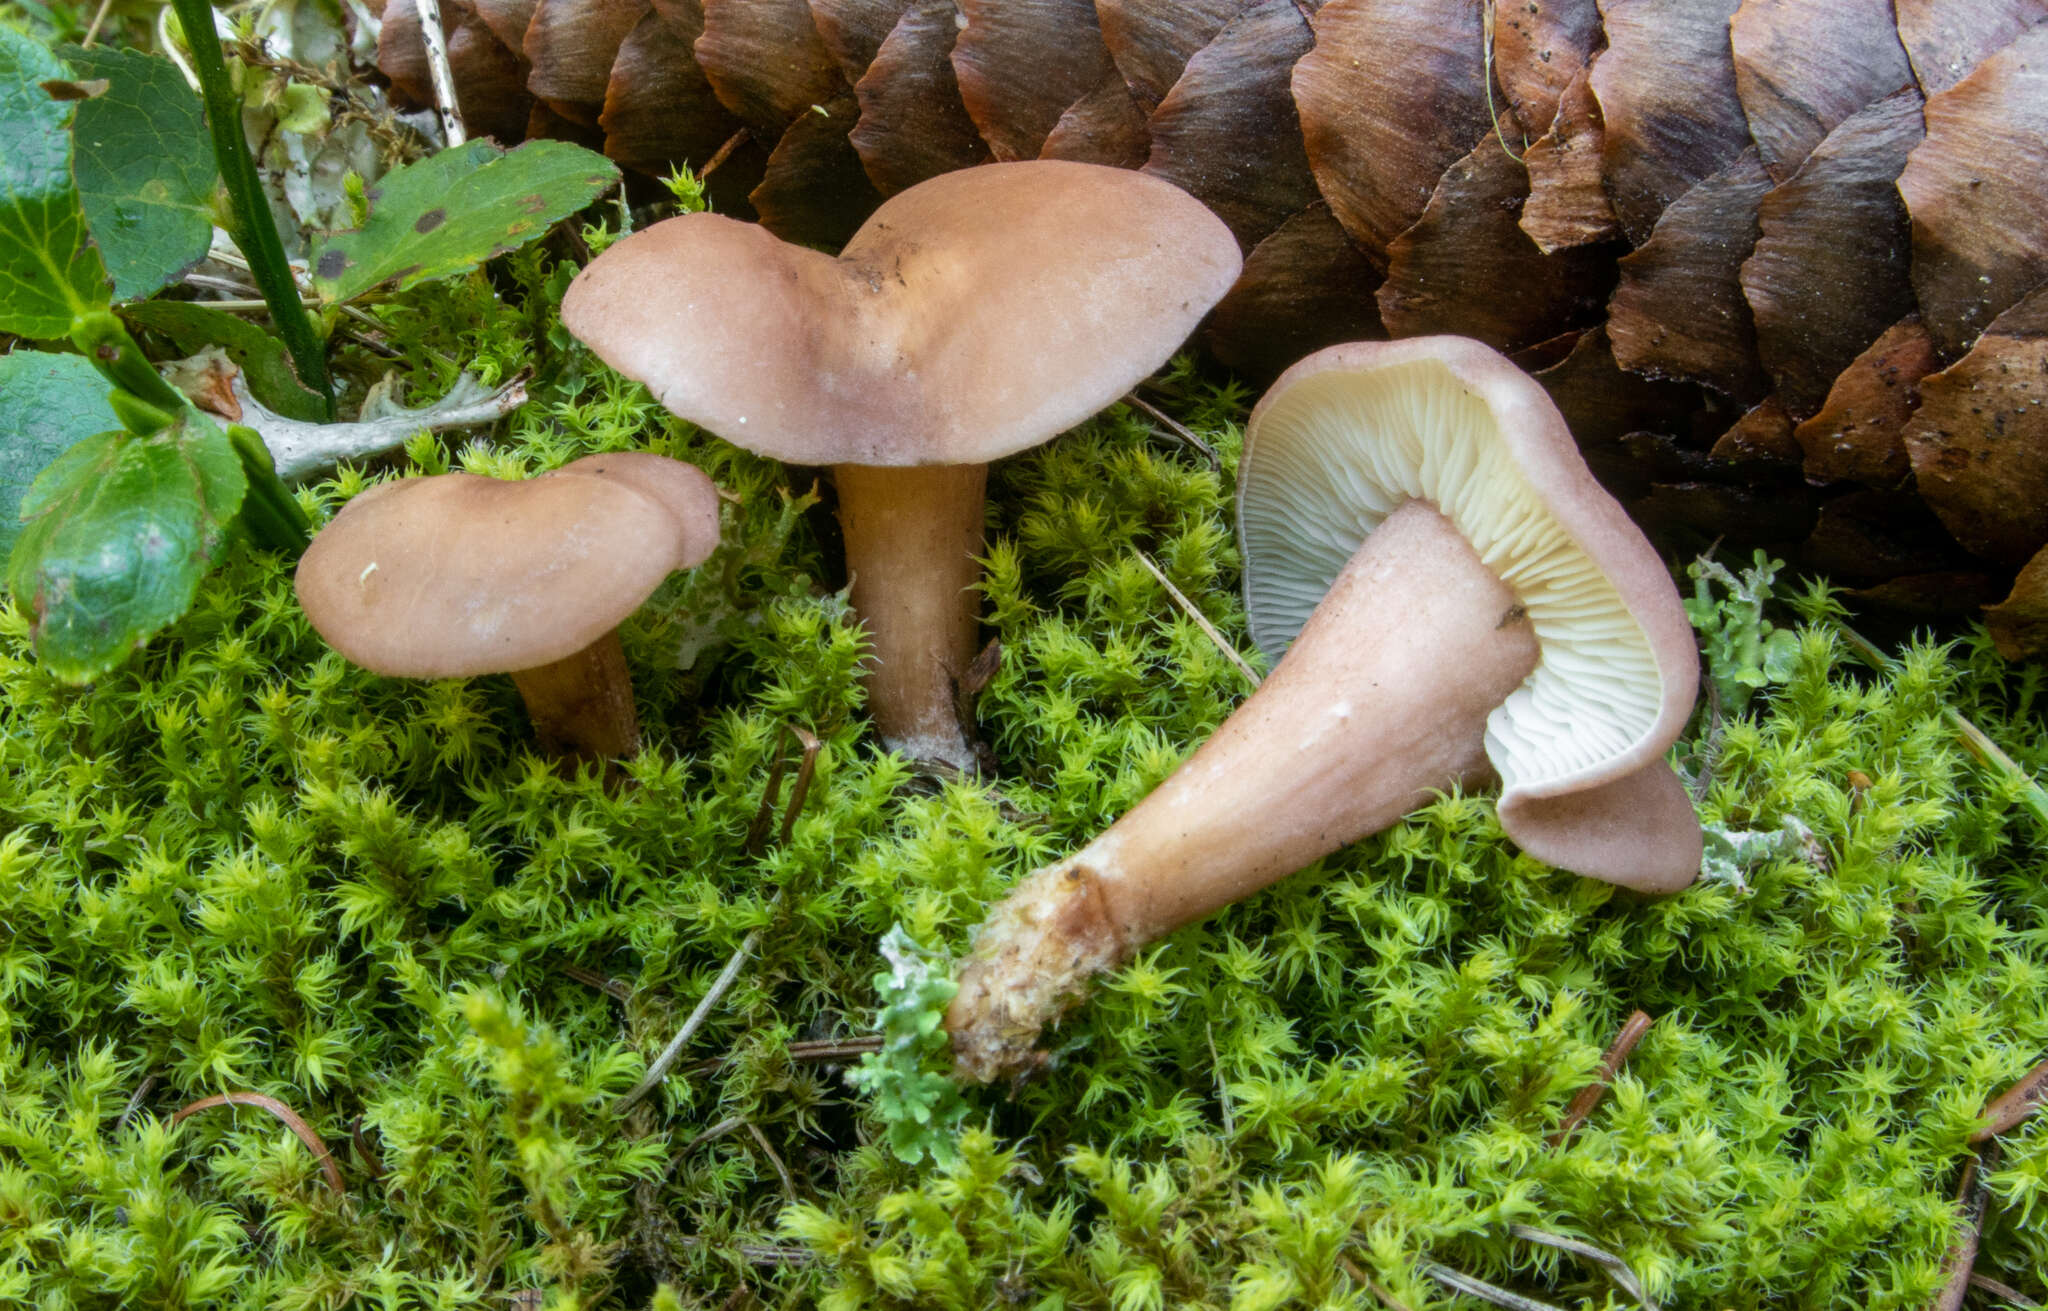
x,y
1352,432
458,575
972,315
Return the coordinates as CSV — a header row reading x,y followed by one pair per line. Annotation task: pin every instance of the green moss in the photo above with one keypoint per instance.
x,y
241,864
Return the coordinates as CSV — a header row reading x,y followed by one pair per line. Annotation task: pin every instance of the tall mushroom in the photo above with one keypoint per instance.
x,y
456,575
1453,591
972,316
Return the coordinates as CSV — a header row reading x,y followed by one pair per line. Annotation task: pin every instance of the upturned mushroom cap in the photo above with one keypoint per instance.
x,y
1350,433
971,316
458,575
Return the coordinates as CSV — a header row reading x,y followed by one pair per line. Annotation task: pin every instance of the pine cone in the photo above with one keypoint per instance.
x,y
1782,262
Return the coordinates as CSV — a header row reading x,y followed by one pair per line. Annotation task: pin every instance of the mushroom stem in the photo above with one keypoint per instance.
x,y
1381,702
582,705
913,538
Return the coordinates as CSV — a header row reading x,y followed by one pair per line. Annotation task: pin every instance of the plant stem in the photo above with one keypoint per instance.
x,y
269,511
255,228
105,342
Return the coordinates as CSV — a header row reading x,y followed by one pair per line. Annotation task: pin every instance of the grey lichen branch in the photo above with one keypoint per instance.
x,y
304,451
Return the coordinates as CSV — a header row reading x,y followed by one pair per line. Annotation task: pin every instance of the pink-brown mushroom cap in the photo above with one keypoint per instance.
x,y
457,575
1351,432
972,316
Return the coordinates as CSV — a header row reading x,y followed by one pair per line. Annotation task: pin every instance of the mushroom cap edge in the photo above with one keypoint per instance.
x,y
1558,814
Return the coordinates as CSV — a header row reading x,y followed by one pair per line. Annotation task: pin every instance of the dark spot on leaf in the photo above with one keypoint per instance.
x,y
516,228
85,89
332,264
534,203
430,220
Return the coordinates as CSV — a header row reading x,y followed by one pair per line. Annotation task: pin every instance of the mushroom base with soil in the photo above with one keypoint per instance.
x,y
582,705
1347,735
913,547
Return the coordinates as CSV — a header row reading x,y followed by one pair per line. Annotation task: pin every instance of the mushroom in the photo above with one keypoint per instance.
x,y
1456,597
457,575
972,316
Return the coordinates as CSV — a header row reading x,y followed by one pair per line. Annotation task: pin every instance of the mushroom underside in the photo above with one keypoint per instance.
x,y
1381,702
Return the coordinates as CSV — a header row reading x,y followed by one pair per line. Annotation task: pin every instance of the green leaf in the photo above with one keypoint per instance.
x,y
450,212
263,359
47,402
119,530
145,169
1780,655
49,272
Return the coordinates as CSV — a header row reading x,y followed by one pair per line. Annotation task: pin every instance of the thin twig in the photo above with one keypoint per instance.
x,y
1201,620
1369,1284
819,1052
2014,1105
2004,1292
443,77
1471,1286
723,153
719,1130
142,1090
788,1184
830,1049
764,814
800,789
1222,1088
286,1114
1616,1269
1177,428
1611,1061
1974,739
618,989
249,306
1979,744
98,17
213,282
658,1070
1972,1194
372,1160
756,1253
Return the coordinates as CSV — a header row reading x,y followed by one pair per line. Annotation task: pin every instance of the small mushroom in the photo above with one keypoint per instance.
x,y
457,575
1456,597
972,316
